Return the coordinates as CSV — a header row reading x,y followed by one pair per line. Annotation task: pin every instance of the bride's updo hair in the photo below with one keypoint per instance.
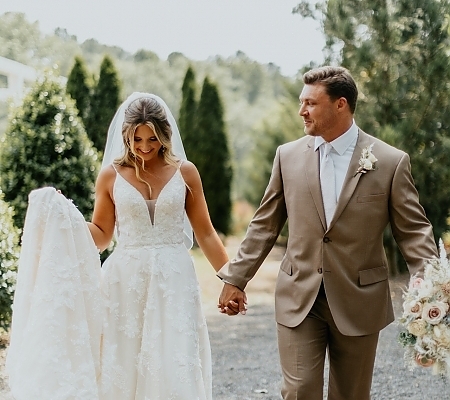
x,y
146,111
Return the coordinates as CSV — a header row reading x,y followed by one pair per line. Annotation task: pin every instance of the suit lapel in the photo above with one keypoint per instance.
x,y
351,181
312,161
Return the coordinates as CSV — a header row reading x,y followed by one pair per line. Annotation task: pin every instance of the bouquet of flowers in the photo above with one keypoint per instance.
x,y
426,317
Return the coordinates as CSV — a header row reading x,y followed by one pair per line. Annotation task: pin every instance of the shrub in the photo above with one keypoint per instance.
x,y
9,254
45,144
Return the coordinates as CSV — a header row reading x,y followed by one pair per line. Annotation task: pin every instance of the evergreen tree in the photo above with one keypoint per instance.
x,y
397,52
212,157
77,87
9,254
45,144
188,114
104,103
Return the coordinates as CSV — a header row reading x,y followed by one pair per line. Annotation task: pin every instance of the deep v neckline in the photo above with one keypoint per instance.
x,y
145,200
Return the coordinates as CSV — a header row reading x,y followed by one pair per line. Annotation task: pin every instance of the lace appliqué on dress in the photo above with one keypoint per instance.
x,y
163,350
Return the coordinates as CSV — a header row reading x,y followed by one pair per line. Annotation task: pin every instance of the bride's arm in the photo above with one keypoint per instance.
x,y
197,211
103,218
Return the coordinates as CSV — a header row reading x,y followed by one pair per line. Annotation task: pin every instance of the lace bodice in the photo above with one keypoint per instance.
x,y
133,222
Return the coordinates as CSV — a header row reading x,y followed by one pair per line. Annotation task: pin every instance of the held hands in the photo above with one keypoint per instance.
x,y
232,300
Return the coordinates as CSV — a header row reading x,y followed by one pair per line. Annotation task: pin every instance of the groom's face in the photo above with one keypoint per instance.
x,y
318,111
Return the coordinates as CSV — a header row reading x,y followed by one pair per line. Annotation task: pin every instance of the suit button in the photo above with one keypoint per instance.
x,y
319,270
326,239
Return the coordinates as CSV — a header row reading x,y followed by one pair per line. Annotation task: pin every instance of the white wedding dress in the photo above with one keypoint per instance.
x,y
154,342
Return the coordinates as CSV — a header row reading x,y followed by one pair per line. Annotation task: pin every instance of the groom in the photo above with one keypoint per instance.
x,y
339,188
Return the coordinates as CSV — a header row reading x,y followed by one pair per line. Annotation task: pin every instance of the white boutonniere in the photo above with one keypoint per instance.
x,y
366,161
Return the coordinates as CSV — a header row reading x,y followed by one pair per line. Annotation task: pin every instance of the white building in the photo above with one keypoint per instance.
x,y
15,75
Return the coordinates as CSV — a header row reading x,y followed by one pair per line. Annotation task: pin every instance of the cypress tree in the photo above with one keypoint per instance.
x,y
104,103
188,113
45,144
212,157
77,87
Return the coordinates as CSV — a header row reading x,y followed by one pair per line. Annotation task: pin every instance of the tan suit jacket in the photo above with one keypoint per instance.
x,y
348,256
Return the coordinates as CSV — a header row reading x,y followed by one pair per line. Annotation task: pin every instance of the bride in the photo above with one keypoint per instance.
x,y
152,341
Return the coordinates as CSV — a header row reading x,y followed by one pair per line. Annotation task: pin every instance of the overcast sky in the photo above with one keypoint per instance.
x,y
266,30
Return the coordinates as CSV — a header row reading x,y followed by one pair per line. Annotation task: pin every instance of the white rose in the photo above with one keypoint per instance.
x,y
426,289
434,312
367,164
372,158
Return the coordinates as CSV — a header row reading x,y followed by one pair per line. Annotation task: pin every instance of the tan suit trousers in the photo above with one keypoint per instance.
x,y
302,356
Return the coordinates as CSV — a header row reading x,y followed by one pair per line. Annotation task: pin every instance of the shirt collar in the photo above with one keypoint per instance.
x,y
342,143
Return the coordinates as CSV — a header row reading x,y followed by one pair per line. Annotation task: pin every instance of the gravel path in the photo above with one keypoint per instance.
x,y
245,356
246,360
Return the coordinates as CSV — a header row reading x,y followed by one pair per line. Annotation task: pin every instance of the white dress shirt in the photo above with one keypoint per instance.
x,y
341,154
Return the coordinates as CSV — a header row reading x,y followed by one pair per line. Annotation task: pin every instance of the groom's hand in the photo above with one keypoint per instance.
x,y
232,300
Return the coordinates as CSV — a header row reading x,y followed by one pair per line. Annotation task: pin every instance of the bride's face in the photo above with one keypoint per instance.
x,y
146,144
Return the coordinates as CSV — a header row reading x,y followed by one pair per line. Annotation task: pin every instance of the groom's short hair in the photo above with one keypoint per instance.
x,y
337,81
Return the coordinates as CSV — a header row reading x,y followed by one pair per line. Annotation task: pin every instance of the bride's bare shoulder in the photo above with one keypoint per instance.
x,y
107,175
188,170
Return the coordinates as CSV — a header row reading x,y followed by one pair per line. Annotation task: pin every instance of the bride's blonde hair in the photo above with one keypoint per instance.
x,y
146,111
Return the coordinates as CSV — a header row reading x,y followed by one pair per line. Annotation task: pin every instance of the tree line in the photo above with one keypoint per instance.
x,y
249,90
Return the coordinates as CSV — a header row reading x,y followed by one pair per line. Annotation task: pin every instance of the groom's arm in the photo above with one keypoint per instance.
x,y
411,228
262,232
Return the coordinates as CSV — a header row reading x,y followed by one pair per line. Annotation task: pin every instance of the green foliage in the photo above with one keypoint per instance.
x,y
3,116
45,144
398,53
92,46
188,113
407,339
252,75
16,43
104,103
250,91
145,55
78,88
284,127
9,254
212,157
62,45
